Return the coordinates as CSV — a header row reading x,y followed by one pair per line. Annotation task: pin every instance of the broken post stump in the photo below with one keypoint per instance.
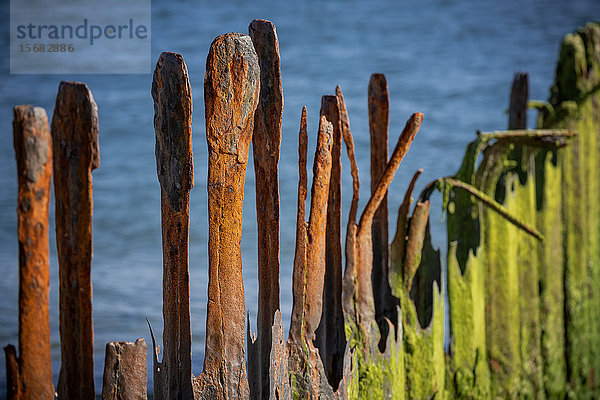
x,y
231,93
172,96
33,148
125,375
75,149
266,142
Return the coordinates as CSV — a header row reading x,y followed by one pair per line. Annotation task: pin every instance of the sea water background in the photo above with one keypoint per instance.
x,y
453,61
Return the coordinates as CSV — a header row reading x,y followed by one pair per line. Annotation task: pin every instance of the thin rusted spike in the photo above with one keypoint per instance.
x,y
517,113
298,275
172,97
125,375
363,253
231,91
379,107
33,148
331,339
397,248
414,245
316,234
347,135
266,143
404,141
75,149
14,391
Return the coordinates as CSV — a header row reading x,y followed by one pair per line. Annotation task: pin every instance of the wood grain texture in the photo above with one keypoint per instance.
x,y
75,154
125,375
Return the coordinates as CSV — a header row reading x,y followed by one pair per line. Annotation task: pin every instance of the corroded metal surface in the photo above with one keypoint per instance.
x,y
379,106
33,148
75,149
330,337
231,92
172,97
125,375
304,362
266,141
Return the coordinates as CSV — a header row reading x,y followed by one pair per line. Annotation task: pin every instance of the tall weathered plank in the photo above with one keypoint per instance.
x,y
266,141
231,93
172,97
33,148
75,155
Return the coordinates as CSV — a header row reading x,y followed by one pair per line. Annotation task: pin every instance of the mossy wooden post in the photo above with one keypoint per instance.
x,y
125,375
307,376
172,96
266,141
330,338
231,93
379,107
75,154
574,104
33,149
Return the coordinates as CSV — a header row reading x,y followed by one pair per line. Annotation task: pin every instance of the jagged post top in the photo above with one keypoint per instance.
x,y
174,161
230,94
37,140
75,98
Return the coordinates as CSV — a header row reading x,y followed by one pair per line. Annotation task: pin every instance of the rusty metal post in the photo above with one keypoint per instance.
x,y
33,148
125,375
172,96
379,107
14,390
331,339
231,90
519,95
309,266
265,146
75,147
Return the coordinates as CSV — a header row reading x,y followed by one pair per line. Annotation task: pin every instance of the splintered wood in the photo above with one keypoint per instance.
x,y
75,148
173,126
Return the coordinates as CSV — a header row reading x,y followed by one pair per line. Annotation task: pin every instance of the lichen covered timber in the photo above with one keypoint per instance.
x,y
575,104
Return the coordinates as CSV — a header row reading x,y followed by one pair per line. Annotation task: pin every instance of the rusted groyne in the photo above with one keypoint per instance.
x,y
523,255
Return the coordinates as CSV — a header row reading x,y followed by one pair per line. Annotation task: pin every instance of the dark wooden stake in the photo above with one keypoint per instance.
x,y
125,375
33,148
231,92
75,147
265,145
517,112
172,96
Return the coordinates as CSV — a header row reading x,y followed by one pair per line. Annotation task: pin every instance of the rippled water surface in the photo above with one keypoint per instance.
x,y
452,60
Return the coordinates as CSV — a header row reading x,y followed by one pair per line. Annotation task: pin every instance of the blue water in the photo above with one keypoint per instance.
x,y
452,60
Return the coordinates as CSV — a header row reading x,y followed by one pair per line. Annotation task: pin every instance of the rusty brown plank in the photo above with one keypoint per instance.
x,y
379,107
125,375
330,337
519,95
266,142
231,92
14,391
299,271
33,148
75,154
414,244
172,97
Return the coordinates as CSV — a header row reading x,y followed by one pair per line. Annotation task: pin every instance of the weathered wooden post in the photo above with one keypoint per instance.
x,y
305,366
265,146
379,107
125,374
231,93
172,96
30,375
75,147
330,336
